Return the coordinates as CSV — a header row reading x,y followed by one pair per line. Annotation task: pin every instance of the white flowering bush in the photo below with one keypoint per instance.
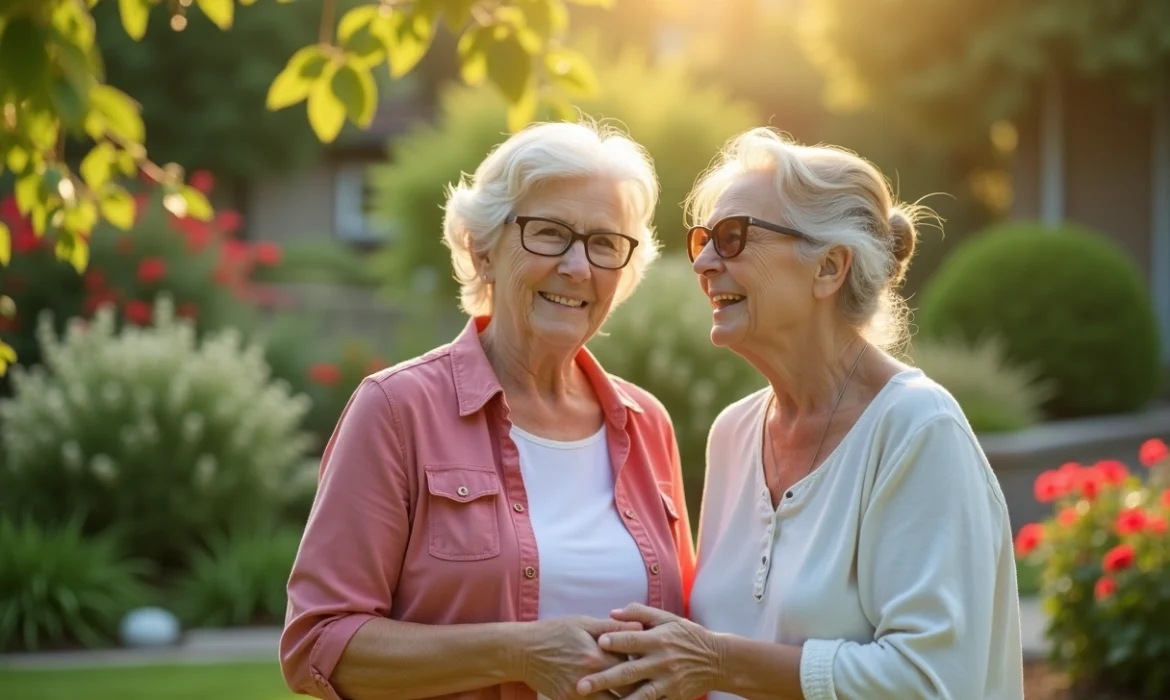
x,y
149,432
660,339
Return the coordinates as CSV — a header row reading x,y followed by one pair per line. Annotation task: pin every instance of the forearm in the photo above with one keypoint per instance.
x,y
403,660
758,670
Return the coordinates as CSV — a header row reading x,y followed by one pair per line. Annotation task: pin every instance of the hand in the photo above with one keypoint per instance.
x,y
674,659
558,652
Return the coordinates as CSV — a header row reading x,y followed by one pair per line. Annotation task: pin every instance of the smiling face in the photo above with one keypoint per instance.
x,y
560,301
766,289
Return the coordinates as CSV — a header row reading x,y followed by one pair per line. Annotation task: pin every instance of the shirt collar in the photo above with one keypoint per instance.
x,y
476,382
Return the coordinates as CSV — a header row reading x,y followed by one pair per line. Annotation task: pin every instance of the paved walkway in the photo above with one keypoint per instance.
x,y
260,644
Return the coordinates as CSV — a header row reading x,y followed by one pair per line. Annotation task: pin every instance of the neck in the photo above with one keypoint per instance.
x,y
807,371
523,369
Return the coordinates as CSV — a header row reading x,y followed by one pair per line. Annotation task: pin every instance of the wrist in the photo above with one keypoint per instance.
x,y
516,649
720,662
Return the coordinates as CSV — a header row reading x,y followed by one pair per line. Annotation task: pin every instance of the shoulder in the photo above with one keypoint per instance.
x,y
415,378
912,403
738,420
652,410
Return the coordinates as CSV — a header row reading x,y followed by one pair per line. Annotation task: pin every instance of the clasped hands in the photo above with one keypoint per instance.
x,y
641,654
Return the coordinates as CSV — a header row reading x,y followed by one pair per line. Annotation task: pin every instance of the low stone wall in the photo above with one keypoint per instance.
x,y
1018,458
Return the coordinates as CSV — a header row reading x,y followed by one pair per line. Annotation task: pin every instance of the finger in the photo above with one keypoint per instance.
x,y
598,627
648,691
647,616
620,676
637,643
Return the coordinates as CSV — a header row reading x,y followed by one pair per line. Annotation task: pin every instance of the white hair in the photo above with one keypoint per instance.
x,y
477,207
837,199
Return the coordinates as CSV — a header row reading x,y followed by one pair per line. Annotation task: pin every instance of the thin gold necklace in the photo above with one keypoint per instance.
x,y
840,394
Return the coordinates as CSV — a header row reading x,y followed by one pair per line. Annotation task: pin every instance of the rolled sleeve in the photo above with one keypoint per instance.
x,y
352,549
931,544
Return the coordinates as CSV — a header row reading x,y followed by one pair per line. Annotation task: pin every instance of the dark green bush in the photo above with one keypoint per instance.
x,y
1066,300
239,580
59,588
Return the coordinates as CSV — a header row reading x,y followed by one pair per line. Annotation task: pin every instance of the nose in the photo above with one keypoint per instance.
x,y
707,262
574,263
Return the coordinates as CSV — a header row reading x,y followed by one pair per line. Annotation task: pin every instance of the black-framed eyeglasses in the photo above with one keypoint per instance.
x,y
730,235
552,238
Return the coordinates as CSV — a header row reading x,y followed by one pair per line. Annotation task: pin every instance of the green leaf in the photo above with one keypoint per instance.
x,y
197,205
456,14
407,37
508,66
42,128
472,54
294,83
220,12
28,192
81,218
70,105
97,166
135,14
7,357
74,250
354,20
117,207
522,112
545,18
5,244
354,86
326,112
17,159
25,60
119,113
607,4
572,71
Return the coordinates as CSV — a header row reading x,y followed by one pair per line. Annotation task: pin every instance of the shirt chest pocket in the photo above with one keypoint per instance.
x,y
462,518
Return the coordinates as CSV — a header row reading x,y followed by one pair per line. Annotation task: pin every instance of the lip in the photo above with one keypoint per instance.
x,y
584,302
715,305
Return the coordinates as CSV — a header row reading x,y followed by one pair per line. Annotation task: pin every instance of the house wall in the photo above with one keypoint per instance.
x,y
300,206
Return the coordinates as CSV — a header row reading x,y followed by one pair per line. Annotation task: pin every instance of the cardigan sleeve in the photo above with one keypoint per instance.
x,y
931,570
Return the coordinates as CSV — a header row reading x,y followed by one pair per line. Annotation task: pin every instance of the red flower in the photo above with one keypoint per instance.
x,y
235,251
1105,587
1051,485
1119,558
9,325
1115,472
98,299
268,253
1131,521
1152,452
138,312
151,270
1166,499
229,221
1029,537
1156,524
1068,516
202,181
95,280
325,374
1089,482
187,309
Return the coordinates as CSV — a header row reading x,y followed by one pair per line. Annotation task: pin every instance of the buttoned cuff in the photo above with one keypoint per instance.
x,y
816,668
328,649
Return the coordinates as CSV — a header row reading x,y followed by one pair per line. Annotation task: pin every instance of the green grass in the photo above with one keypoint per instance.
x,y
237,681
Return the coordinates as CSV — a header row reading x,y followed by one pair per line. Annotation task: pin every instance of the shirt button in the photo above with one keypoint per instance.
x,y
788,494
518,508
529,572
629,513
462,491
654,569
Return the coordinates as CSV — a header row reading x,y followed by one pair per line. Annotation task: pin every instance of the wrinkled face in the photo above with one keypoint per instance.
x,y
765,290
561,300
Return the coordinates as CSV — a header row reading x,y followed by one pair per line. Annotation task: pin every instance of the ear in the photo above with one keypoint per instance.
x,y
483,267
832,272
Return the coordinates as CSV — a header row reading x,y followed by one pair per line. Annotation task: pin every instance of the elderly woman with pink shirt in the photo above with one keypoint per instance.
x,y
482,508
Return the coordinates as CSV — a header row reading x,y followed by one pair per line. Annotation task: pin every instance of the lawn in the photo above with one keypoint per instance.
x,y
237,681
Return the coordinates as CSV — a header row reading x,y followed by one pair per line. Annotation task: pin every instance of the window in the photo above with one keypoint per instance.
x,y
354,218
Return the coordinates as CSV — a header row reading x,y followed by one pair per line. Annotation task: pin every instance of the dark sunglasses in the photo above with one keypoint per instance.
x,y
730,235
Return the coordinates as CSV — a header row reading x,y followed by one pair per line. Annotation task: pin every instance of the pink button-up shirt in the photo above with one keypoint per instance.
x,y
421,513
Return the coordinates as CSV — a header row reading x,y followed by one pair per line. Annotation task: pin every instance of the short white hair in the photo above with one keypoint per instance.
x,y
838,199
477,207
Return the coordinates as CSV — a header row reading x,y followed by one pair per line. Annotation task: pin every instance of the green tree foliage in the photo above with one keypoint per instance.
x,y
954,67
54,88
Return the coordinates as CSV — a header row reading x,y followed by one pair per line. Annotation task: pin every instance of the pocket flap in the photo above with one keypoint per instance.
x,y
667,501
461,484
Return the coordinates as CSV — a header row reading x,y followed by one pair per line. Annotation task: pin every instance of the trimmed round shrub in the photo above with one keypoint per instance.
x,y
1063,299
151,432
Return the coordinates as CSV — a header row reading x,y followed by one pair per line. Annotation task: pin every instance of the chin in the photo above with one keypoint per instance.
x,y
560,333
726,336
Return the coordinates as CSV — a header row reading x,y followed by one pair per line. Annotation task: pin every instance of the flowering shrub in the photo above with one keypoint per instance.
x,y
1105,555
149,431
200,265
